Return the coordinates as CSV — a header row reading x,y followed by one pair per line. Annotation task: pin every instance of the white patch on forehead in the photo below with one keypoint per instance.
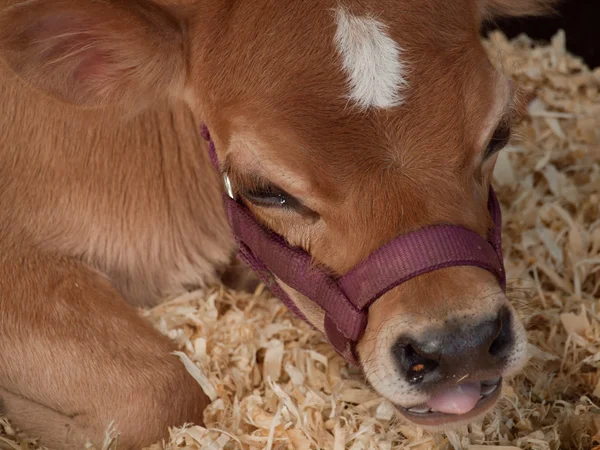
x,y
371,59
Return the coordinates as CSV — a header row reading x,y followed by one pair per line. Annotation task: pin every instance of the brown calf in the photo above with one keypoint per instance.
x,y
342,124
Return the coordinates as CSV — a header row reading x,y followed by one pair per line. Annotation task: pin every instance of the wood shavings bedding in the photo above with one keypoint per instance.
x,y
276,384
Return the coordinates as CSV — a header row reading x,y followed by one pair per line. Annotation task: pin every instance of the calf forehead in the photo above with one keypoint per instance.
x,y
436,129
285,67
328,47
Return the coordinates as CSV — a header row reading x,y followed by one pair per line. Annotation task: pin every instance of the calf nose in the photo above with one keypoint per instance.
x,y
457,349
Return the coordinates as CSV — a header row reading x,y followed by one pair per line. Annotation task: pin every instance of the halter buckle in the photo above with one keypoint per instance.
x,y
228,187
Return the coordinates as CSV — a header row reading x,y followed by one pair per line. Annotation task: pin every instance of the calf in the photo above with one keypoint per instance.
x,y
340,125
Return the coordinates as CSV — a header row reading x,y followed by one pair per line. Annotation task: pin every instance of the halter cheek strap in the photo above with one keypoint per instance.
x,y
346,300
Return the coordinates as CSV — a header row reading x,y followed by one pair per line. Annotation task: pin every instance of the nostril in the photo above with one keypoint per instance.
x,y
413,364
419,367
503,337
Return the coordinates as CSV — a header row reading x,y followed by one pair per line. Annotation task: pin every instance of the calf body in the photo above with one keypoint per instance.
x,y
341,126
99,212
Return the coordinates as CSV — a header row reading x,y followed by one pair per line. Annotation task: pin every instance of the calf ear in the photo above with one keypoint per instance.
x,y
493,9
94,52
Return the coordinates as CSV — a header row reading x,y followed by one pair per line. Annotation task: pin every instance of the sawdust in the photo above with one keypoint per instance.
x,y
276,384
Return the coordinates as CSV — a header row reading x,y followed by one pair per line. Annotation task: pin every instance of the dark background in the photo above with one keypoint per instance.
x,y
579,18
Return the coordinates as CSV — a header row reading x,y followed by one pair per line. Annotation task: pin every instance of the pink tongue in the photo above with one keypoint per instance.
x,y
458,400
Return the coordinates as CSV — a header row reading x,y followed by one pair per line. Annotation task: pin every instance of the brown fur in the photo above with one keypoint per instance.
x,y
110,201
508,8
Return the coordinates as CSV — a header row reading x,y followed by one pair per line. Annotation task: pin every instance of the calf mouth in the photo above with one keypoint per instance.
x,y
427,415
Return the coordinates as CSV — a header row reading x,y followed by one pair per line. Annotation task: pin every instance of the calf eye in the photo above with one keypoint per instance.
x,y
272,197
498,141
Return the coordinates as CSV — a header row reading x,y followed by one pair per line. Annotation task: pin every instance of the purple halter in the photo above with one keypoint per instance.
x,y
346,300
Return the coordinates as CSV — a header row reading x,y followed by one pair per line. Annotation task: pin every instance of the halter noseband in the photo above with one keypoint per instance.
x,y
346,300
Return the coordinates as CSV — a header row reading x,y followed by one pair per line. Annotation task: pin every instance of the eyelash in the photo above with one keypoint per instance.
x,y
498,141
272,197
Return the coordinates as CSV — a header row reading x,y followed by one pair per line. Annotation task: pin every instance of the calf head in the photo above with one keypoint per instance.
x,y
341,125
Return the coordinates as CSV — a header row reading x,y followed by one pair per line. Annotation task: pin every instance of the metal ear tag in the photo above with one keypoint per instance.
x,y
228,187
